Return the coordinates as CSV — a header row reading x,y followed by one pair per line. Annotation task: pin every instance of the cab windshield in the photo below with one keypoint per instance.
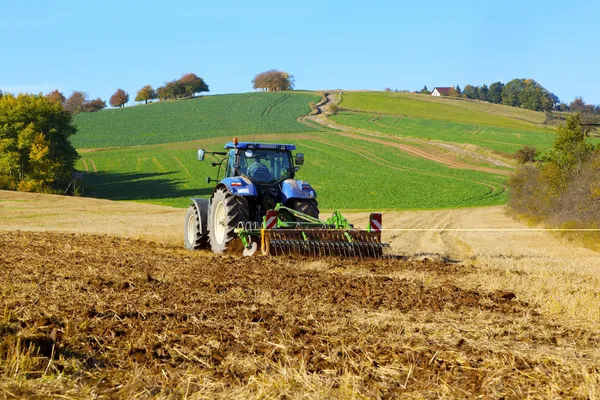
x,y
265,166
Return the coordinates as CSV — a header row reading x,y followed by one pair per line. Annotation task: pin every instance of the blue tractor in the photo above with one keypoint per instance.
x,y
260,201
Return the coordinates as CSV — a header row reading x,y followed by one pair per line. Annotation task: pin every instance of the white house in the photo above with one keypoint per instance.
x,y
441,91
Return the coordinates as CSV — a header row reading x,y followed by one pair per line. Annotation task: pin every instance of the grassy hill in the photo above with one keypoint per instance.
x,y
451,110
500,139
347,174
153,159
491,126
184,120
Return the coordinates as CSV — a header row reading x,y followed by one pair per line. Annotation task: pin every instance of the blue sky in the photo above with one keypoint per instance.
x,y
101,45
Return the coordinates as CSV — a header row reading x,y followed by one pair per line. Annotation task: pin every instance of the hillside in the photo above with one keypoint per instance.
x,y
192,119
451,110
491,127
169,174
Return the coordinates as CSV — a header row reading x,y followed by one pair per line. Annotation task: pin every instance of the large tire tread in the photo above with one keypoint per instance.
x,y
201,241
306,206
237,211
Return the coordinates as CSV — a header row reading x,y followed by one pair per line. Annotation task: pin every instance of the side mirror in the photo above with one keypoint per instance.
x,y
299,159
201,155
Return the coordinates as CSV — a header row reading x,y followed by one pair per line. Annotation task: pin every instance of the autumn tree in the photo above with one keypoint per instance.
x,y
146,93
35,151
192,84
94,105
174,89
161,93
75,102
273,80
119,98
56,97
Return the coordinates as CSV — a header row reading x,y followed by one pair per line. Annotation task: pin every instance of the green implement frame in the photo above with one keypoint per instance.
x,y
288,231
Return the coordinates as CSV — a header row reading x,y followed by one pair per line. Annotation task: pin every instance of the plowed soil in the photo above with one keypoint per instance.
x,y
97,316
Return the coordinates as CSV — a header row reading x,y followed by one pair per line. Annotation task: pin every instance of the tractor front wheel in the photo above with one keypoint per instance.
x,y
226,212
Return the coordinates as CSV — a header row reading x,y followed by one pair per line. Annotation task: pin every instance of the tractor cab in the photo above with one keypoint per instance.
x,y
262,164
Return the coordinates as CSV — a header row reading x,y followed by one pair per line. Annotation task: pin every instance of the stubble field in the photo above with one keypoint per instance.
x,y
456,315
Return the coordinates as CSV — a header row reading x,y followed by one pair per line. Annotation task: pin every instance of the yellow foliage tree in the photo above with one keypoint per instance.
x,y
35,151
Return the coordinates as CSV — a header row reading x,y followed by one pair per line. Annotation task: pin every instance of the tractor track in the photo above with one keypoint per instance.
x,y
183,166
267,111
385,163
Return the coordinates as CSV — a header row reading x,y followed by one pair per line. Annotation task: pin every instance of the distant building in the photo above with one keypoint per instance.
x,y
441,91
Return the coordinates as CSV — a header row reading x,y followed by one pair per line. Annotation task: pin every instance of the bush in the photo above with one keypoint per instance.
x,y
565,189
526,154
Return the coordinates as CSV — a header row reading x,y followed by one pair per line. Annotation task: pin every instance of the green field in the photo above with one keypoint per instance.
x,y
192,119
505,140
459,111
347,174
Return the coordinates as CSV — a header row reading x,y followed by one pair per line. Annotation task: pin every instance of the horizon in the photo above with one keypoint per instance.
x,y
350,47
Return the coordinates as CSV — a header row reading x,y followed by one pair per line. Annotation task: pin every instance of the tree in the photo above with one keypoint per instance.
x,y
483,93
495,92
193,84
471,92
146,93
273,80
75,102
511,92
458,91
571,148
161,93
526,154
1,94
35,151
174,89
56,97
119,98
425,90
94,105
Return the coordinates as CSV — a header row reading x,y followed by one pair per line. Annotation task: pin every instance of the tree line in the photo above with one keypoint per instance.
x,y
523,93
187,86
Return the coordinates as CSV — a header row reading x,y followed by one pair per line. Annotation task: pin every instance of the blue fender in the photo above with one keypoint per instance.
x,y
240,186
293,189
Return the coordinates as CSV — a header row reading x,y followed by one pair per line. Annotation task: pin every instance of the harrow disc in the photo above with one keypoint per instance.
x,y
323,243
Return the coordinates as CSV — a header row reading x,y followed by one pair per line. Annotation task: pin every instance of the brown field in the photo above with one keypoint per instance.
x,y
462,314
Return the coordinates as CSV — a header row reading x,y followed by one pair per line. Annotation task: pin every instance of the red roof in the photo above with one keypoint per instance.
x,y
444,91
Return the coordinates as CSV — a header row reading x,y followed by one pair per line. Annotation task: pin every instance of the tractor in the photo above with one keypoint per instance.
x,y
260,201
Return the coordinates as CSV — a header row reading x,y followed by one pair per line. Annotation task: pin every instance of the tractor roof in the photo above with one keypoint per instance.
x,y
267,146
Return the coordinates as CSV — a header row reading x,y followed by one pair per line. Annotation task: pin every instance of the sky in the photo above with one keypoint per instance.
x,y
99,46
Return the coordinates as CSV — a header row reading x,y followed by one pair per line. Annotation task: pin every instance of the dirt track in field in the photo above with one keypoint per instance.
x,y
127,317
320,119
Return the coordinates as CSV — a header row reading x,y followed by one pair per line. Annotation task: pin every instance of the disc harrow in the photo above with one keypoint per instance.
x,y
308,236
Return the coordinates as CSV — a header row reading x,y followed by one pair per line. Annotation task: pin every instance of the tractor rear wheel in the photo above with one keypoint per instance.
x,y
192,238
306,206
226,212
